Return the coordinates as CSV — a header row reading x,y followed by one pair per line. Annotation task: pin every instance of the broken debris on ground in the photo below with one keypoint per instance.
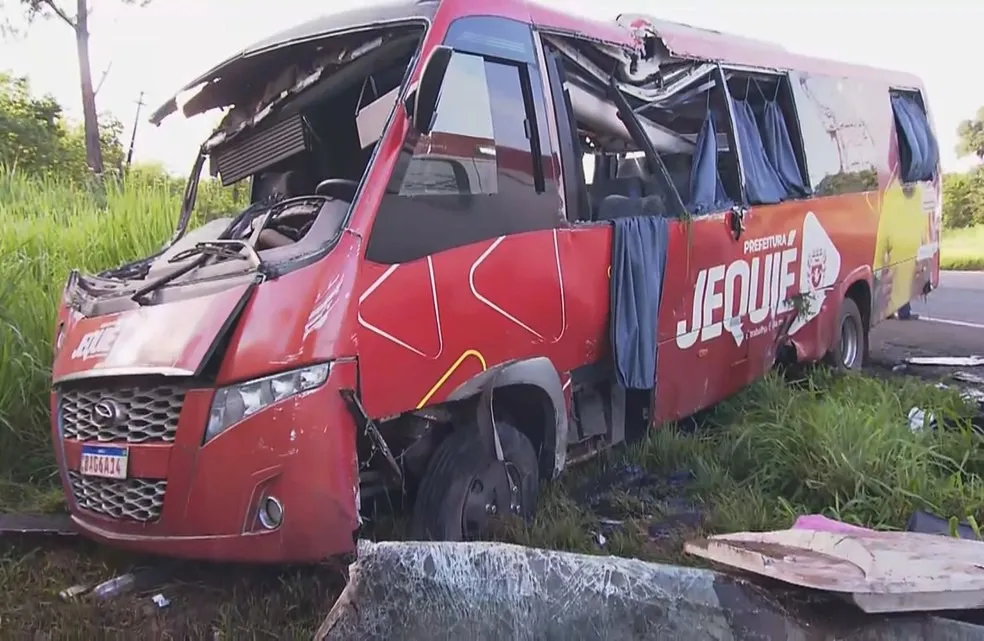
x,y
946,361
496,592
628,492
880,571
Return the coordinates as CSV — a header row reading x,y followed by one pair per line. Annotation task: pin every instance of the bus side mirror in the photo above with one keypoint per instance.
x,y
424,99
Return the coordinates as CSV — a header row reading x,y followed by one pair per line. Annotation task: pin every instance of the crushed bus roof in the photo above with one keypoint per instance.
x,y
373,16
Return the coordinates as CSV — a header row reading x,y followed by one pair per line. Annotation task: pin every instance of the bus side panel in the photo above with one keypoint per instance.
x,y
700,362
906,254
430,325
820,246
906,259
936,222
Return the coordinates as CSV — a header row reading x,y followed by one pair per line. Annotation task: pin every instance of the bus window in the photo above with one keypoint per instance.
x,y
473,177
770,142
919,152
706,177
836,116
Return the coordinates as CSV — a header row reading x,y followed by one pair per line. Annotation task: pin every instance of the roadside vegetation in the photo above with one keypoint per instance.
x,y
963,249
51,225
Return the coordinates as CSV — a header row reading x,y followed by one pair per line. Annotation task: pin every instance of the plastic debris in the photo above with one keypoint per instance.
x,y
927,523
142,580
114,587
920,419
610,525
160,601
73,592
968,394
967,377
973,395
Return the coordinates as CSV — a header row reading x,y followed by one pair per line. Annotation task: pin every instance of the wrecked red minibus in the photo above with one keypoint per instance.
x,y
486,240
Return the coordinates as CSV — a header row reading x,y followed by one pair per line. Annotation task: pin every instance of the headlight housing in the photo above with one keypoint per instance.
x,y
236,402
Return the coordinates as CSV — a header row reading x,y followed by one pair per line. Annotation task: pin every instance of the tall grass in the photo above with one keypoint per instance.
x,y
49,226
963,249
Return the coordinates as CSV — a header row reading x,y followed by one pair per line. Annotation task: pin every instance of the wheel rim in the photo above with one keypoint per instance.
x,y
493,492
849,342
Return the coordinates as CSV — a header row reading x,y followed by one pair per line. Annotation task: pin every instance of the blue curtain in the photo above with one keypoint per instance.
x,y
779,150
639,246
763,186
706,189
918,150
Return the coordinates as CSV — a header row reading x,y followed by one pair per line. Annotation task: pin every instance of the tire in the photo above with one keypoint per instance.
x,y
461,469
849,345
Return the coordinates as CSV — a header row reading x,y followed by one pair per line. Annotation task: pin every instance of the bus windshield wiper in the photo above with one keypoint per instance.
x,y
202,251
221,249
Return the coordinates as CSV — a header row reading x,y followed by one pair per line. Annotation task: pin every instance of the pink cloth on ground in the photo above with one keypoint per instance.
x,y
818,522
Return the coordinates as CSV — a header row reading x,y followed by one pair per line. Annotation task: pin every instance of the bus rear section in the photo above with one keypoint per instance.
x,y
436,300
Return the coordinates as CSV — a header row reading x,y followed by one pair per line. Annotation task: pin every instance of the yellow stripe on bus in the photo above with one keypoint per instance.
x,y
451,370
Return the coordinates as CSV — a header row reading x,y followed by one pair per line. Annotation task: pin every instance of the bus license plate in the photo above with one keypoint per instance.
x,y
105,462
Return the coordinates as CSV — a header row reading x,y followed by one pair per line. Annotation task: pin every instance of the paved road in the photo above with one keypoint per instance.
x,y
960,297
951,323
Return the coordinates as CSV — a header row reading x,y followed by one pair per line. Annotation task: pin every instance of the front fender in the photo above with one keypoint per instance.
x,y
535,372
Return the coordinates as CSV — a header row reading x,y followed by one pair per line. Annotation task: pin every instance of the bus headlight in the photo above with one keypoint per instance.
x,y
236,402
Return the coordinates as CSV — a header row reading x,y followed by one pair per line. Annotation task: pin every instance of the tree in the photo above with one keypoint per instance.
x,y
79,22
35,137
970,134
959,206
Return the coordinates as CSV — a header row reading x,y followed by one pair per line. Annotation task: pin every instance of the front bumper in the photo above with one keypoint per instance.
x,y
301,450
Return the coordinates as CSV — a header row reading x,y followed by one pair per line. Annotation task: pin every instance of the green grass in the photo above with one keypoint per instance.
x,y
834,445
50,226
963,249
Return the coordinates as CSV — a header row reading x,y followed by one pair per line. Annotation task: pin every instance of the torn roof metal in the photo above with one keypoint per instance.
x,y
694,43
686,41
241,65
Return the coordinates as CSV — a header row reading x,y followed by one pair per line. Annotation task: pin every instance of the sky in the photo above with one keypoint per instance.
x,y
159,48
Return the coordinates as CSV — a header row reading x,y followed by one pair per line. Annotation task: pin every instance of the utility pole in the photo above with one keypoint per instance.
x,y
133,136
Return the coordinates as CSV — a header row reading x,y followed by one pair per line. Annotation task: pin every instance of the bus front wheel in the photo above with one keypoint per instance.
x,y
465,488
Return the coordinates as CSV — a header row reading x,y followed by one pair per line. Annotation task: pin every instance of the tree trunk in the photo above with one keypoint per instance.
x,y
93,150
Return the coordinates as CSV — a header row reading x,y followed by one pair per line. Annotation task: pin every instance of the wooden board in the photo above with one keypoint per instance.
x,y
882,571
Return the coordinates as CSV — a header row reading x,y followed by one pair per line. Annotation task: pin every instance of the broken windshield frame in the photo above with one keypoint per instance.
x,y
138,268
375,41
